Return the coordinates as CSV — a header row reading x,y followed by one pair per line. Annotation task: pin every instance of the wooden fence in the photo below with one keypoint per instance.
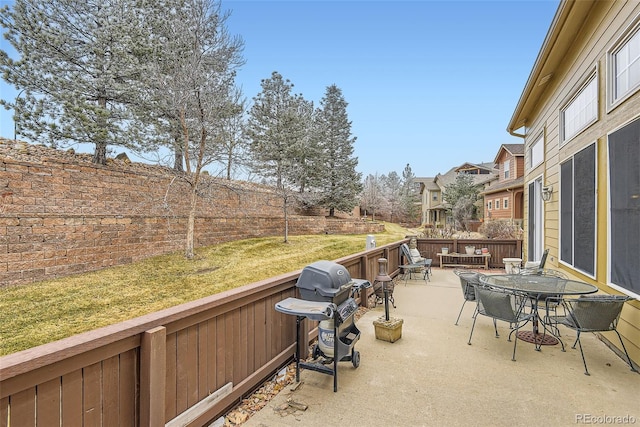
x,y
499,249
189,363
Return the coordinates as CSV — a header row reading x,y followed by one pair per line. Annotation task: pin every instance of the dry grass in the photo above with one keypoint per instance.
x,y
46,311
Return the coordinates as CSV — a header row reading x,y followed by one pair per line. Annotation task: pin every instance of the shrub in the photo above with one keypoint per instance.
x,y
501,229
437,233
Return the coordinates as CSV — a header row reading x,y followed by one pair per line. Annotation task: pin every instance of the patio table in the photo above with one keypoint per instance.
x,y
537,287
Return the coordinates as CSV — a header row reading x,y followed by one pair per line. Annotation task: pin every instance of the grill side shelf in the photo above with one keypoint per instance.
x,y
314,310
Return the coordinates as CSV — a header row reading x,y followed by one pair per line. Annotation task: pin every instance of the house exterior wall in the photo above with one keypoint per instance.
x,y
519,164
499,211
502,160
604,25
430,214
513,209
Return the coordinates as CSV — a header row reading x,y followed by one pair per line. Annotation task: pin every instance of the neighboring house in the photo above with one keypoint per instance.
x,y
503,196
579,116
430,199
434,209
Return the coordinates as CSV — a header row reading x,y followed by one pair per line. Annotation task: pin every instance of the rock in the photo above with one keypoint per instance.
x,y
123,156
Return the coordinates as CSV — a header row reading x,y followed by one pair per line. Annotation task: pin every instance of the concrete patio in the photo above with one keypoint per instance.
x,y
431,377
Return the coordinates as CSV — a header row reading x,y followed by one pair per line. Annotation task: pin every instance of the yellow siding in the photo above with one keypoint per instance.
x,y
605,24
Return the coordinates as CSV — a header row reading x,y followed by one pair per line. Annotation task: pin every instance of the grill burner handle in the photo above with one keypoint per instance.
x,y
331,292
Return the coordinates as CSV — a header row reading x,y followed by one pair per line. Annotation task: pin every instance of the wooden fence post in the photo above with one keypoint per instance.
x,y
153,360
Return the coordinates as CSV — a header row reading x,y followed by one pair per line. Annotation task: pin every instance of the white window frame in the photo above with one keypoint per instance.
x,y
489,205
628,45
505,203
497,204
536,152
581,111
506,168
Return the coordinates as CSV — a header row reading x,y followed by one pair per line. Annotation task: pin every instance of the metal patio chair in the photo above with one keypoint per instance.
x,y
594,313
539,267
502,305
414,263
468,281
552,302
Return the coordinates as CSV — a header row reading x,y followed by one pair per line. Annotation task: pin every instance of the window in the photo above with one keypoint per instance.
x,y
497,203
624,194
435,197
624,63
489,206
536,152
578,210
505,203
506,167
581,111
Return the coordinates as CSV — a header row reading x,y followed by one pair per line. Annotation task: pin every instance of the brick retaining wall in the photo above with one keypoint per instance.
x,y
60,214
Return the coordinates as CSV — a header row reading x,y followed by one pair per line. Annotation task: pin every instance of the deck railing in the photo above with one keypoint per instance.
x,y
189,363
499,249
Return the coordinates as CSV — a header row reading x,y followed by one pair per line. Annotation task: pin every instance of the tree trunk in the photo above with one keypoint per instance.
x,y
286,221
100,153
191,224
178,158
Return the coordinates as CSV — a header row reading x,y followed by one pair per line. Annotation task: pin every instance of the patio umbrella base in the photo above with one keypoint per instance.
x,y
388,330
537,338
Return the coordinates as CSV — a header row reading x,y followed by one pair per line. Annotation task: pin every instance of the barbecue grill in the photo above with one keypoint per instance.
x,y
326,288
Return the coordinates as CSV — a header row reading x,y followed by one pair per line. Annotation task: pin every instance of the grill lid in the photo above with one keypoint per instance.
x,y
325,278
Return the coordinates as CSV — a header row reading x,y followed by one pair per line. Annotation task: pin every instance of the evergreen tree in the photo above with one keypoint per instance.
x,y
278,129
410,199
271,120
304,150
461,195
78,69
339,182
233,144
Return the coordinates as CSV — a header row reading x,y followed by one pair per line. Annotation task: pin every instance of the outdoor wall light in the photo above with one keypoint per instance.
x,y
546,193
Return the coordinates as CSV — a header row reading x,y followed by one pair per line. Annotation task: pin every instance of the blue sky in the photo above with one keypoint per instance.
x,y
429,83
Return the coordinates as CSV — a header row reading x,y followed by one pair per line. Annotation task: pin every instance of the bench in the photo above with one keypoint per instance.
x,y
464,260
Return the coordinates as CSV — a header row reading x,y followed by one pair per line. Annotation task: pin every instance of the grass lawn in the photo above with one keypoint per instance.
x,y
50,310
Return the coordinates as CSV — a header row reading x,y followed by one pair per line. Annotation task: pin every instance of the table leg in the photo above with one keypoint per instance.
x,y
535,337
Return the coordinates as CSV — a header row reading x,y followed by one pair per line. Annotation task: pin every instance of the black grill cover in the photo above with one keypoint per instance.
x,y
324,281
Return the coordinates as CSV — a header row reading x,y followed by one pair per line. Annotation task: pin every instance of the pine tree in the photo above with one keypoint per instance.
x,y
278,129
269,128
461,195
339,182
410,197
78,69
233,142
